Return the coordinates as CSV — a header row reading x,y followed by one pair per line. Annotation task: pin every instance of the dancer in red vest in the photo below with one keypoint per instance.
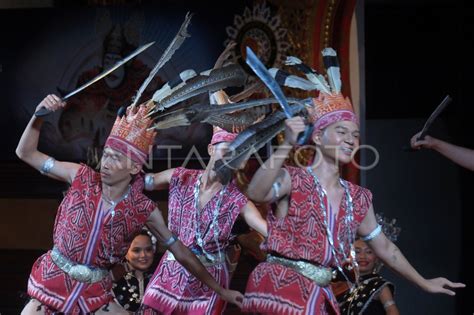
x,y
201,213
97,219
318,214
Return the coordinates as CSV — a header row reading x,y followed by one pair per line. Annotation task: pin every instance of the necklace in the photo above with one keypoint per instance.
x,y
348,219
213,226
112,214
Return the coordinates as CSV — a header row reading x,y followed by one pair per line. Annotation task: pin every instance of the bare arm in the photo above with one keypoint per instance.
x,y
27,149
159,180
189,261
386,298
391,255
254,218
457,154
260,187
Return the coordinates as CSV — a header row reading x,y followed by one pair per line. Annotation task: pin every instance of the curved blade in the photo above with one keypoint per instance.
x,y
109,71
428,122
251,140
43,111
434,115
262,72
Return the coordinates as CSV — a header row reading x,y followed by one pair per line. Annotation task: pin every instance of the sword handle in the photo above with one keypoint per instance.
x,y
408,148
42,112
121,111
45,112
304,137
422,135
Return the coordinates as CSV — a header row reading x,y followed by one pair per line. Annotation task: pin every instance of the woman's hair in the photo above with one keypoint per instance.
x,y
145,232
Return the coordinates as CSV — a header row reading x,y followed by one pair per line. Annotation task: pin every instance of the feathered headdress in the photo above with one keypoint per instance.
x,y
130,133
330,106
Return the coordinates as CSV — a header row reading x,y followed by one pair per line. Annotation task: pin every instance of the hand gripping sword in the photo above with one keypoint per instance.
x,y
262,72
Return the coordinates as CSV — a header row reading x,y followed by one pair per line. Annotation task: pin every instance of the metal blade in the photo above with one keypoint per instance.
x,y
109,71
43,111
262,72
434,115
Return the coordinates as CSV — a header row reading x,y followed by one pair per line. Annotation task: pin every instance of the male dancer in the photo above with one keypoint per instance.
x,y
97,220
318,215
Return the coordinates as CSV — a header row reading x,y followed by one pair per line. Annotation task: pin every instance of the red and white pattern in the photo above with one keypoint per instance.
x,y
277,289
333,117
331,108
173,290
220,135
130,134
82,233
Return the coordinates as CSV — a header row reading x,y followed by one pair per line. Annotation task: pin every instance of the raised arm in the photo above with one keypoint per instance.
x,y
391,255
27,149
459,155
271,182
158,181
187,259
254,218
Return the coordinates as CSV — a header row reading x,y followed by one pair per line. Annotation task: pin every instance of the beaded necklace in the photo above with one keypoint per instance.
x,y
348,219
112,214
213,226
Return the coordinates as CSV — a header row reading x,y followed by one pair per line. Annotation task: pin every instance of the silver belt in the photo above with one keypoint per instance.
x,y
203,259
79,272
322,276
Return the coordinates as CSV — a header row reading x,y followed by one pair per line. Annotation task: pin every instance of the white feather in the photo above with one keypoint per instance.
x,y
294,81
334,73
166,90
206,73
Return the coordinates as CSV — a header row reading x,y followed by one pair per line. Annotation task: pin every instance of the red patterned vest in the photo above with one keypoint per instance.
x,y
302,235
173,290
82,233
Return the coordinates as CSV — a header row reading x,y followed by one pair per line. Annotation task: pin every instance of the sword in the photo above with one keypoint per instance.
x,y
262,72
43,111
432,118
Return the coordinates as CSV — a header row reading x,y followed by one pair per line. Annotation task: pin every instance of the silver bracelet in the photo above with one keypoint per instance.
x,y
47,166
171,240
388,303
149,182
276,190
372,234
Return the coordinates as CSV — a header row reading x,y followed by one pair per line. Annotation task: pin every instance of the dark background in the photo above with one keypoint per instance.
x,y
416,52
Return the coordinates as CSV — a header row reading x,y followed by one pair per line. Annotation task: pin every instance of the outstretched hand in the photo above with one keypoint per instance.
x,y
427,142
442,285
232,296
